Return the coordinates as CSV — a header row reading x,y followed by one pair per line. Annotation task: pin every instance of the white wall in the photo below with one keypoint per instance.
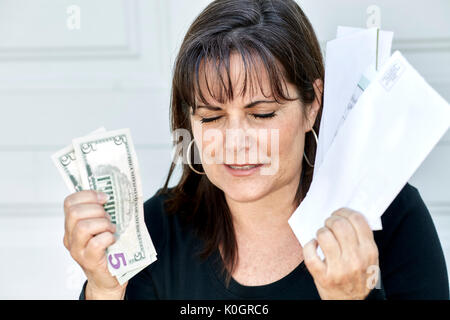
x,y
56,84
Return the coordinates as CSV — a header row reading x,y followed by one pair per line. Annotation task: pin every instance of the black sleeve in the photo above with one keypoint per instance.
x,y
376,294
411,260
83,290
141,287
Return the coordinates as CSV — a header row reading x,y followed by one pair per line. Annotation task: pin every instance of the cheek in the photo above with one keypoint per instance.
x,y
211,144
289,144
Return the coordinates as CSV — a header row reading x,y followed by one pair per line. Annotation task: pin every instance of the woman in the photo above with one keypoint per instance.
x,y
247,70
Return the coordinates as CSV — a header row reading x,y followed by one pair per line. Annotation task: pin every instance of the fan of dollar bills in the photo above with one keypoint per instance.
x,y
106,161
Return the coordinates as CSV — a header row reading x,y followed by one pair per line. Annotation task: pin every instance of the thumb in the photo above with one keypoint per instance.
x,y
313,262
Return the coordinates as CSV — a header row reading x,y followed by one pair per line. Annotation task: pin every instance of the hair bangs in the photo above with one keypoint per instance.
x,y
212,66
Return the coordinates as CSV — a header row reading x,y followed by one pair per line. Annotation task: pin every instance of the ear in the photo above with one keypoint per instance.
x,y
314,107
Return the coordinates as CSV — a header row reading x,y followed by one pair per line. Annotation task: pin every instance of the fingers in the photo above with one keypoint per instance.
x,y
359,223
96,246
349,248
86,196
366,241
330,246
86,229
89,232
312,261
81,205
79,212
343,231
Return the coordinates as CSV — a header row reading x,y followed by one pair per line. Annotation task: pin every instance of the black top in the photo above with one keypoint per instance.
x,y
410,255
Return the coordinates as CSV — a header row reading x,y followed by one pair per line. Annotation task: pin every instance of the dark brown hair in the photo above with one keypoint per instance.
x,y
278,34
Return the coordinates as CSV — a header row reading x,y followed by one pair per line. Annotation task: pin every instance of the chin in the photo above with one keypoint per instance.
x,y
240,189
245,191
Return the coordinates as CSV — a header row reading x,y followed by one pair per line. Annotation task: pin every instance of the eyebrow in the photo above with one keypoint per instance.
x,y
250,105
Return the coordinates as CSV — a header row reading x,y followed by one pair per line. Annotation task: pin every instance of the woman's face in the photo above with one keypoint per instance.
x,y
251,129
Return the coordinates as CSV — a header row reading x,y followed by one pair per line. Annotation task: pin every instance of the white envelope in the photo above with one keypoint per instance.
x,y
392,128
346,58
384,41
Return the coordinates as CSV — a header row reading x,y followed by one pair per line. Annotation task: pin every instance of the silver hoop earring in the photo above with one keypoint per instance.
x,y
188,156
317,143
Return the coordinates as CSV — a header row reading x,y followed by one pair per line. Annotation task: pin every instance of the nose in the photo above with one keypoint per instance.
x,y
240,143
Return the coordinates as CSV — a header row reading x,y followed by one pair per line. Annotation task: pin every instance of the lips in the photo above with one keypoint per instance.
x,y
242,169
242,166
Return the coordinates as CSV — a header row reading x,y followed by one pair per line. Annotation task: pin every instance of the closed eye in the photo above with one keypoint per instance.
x,y
264,115
205,120
255,115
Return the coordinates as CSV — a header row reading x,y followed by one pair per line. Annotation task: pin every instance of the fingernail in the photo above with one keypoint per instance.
x,y
102,197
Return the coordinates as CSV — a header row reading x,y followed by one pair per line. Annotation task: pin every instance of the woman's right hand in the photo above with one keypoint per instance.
x,y
88,233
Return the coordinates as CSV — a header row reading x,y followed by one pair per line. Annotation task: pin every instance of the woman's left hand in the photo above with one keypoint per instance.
x,y
351,257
